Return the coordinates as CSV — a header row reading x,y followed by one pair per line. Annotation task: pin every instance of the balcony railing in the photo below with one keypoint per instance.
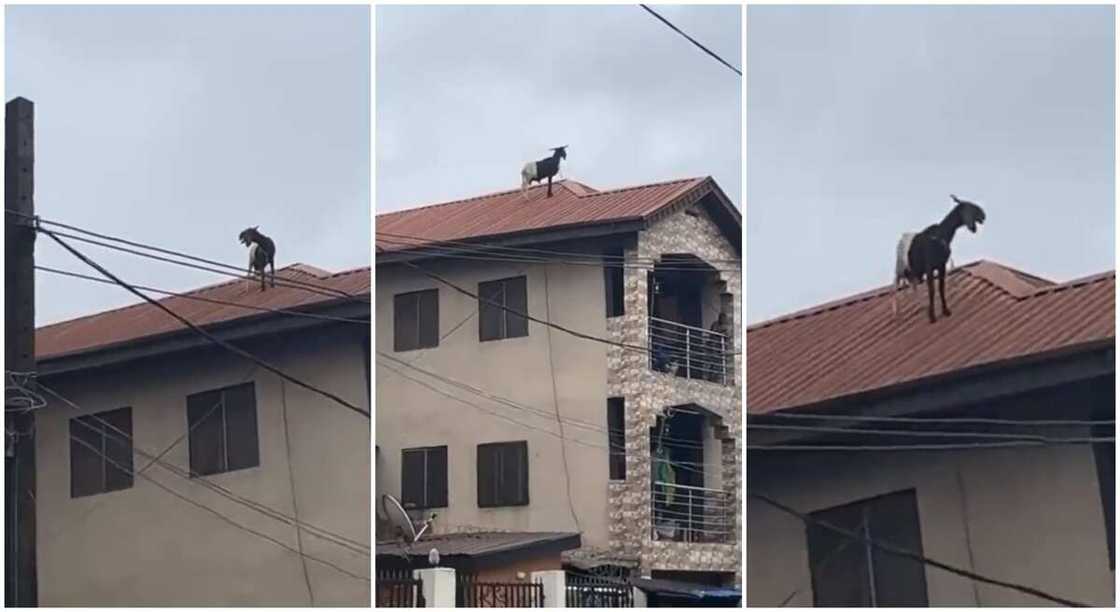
x,y
683,513
688,351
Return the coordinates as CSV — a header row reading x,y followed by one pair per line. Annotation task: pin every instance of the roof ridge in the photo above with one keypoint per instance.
x,y
851,300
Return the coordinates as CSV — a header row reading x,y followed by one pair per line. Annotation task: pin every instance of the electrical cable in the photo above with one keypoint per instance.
x,y
691,39
927,447
556,406
198,330
897,551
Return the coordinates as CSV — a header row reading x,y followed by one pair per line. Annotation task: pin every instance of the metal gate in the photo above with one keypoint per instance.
x,y
399,589
583,591
472,593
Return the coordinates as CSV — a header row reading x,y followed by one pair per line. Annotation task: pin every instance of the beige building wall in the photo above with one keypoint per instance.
x,y
1028,515
521,369
142,546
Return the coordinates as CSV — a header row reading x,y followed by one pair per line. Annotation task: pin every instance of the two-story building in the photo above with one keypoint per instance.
x,y
612,410
171,471
983,441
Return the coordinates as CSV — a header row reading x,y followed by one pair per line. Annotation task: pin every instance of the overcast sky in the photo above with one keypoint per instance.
x,y
467,94
181,126
862,120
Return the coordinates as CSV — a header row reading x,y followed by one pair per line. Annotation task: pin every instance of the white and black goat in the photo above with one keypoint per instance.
x,y
919,255
262,254
543,169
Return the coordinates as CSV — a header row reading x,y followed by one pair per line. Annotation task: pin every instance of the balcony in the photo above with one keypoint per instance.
x,y
684,513
688,351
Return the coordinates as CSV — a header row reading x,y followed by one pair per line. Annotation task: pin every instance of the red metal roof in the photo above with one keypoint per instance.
x,y
508,212
855,345
143,320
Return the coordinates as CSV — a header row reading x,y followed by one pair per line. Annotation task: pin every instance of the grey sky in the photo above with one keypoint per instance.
x,y
181,126
862,120
467,94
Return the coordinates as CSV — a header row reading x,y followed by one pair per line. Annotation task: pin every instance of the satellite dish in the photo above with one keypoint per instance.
x,y
399,517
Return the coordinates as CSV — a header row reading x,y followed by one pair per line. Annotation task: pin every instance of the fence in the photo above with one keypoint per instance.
x,y
583,591
684,513
691,352
399,589
473,593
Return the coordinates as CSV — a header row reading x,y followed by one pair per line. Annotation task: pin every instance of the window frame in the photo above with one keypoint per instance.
x,y
507,319
422,340
248,455
499,497
616,438
441,489
98,423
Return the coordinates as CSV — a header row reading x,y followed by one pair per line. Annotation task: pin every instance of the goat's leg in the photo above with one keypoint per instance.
x,y
550,186
929,287
941,289
272,267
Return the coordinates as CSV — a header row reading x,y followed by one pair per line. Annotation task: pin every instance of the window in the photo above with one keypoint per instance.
x,y
613,281
223,430
424,477
416,320
101,452
503,474
850,573
616,436
496,323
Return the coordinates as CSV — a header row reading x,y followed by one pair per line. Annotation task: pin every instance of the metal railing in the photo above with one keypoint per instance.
x,y
399,589
687,351
583,591
683,513
472,593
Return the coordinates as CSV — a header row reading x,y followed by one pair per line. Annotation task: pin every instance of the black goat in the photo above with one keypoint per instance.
x,y
929,250
262,253
543,169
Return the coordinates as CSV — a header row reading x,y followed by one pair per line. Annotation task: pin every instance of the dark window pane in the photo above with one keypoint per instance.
x,y
412,478
613,279
838,564
486,460
491,318
437,477
86,465
207,441
242,449
616,437
429,318
405,322
893,519
118,448
517,301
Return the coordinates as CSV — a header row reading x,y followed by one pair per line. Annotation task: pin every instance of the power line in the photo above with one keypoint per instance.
x,y
924,420
194,477
556,406
690,39
238,269
188,296
524,315
901,552
198,330
218,514
927,447
918,433
543,253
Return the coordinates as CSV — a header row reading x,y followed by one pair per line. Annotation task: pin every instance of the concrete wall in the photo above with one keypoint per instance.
x,y
142,546
1026,515
521,369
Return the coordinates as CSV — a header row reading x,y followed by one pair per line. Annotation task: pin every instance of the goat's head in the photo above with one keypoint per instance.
x,y
971,214
560,152
248,236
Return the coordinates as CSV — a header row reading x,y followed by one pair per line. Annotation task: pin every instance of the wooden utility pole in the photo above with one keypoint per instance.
x,y
21,584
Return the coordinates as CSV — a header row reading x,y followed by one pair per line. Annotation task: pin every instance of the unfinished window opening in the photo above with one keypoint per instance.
x,y
616,437
688,502
690,320
850,573
101,452
223,430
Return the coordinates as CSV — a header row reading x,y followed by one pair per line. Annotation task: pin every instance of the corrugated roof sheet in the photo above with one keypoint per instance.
x,y
143,320
476,544
508,212
854,345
